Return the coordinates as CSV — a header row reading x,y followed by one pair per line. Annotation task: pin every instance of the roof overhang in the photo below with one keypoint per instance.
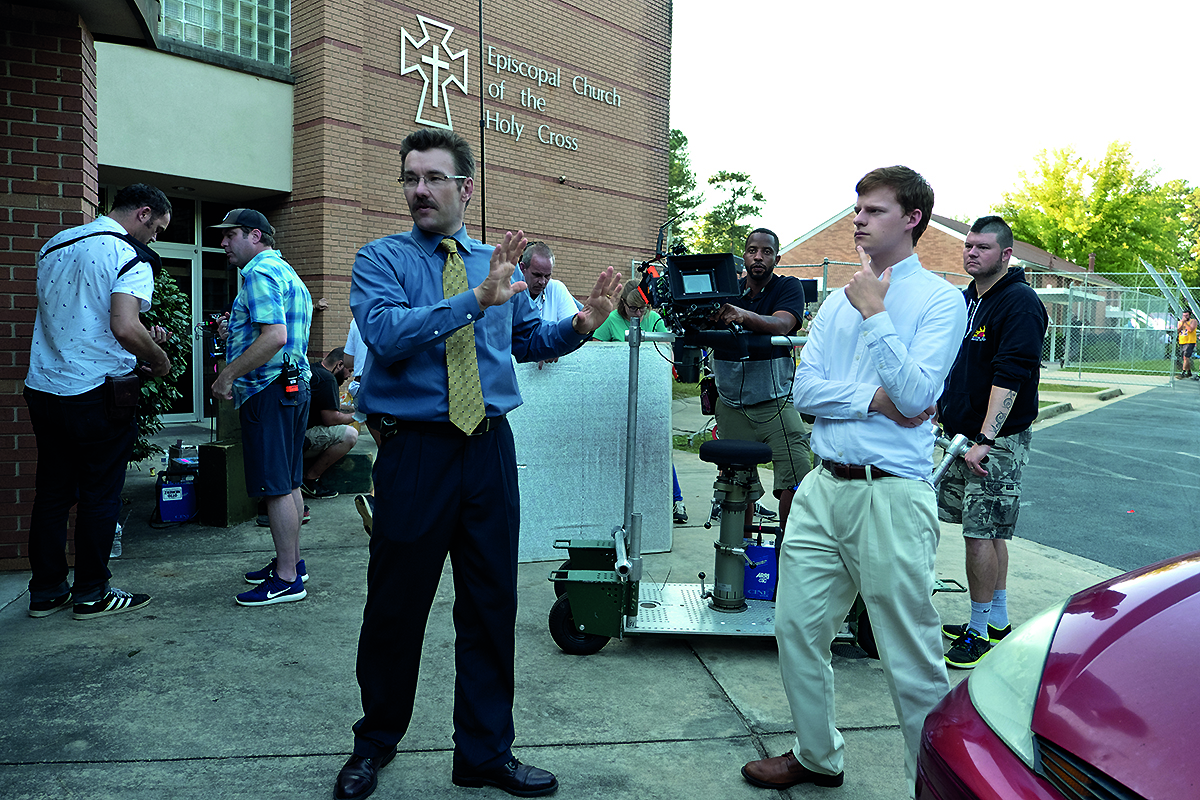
x,y
115,20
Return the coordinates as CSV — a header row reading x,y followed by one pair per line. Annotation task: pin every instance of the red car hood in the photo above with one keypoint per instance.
x,y
1121,687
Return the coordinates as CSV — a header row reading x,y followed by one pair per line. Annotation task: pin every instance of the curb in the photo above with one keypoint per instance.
x,y
1109,394
1054,410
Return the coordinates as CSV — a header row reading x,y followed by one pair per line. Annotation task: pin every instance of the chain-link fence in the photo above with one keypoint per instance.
x,y
1105,327
1101,326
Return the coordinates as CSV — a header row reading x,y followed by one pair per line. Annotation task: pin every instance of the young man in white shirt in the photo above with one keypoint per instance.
x,y
92,283
866,522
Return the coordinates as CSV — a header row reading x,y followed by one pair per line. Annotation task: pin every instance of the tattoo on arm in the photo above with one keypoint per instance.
x,y
1006,405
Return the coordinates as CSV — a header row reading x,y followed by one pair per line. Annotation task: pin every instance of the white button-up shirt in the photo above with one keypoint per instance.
x,y
73,344
908,350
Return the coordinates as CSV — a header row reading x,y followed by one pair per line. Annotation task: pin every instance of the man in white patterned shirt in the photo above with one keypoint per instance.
x,y
92,283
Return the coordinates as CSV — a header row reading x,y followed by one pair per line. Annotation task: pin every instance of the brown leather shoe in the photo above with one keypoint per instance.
x,y
784,771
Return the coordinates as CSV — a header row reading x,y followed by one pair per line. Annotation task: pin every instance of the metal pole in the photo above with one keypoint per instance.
x,y
635,343
482,138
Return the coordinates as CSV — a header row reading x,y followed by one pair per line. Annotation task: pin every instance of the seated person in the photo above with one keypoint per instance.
x,y
630,304
329,435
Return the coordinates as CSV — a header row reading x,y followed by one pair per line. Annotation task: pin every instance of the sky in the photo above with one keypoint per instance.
x,y
807,97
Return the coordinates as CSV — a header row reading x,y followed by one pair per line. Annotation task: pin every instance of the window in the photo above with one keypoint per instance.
x,y
259,30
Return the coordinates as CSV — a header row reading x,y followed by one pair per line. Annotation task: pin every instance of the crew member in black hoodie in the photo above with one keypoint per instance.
x,y
991,397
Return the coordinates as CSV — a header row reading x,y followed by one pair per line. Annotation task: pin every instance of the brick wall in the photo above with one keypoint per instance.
x,y
48,176
598,205
939,252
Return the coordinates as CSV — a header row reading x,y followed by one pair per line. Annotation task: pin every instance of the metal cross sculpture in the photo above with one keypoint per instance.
x,y
439,76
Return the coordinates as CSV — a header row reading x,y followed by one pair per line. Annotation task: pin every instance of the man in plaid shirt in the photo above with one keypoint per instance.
x,y
267,377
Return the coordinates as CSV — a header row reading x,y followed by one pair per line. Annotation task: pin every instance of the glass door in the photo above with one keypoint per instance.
x,y
189,405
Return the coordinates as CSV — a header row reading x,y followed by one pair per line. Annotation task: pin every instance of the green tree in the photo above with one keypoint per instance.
x,y
171,310
682,197
1112,208
724,229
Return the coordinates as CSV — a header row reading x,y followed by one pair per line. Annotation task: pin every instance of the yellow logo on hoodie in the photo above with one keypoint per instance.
x,y
980,334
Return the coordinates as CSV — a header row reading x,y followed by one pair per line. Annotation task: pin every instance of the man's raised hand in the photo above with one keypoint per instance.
x,y
497,288
599,304
866,290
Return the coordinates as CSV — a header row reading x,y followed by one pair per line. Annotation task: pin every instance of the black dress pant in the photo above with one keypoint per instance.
x,y
439,493
83,452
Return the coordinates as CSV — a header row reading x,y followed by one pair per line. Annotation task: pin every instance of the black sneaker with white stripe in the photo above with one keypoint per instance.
x,y
115,602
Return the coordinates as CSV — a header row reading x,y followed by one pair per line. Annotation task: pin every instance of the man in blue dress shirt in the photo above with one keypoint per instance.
x,y
439,490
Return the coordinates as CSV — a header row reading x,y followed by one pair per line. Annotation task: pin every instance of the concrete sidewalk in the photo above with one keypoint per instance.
x,y
195,697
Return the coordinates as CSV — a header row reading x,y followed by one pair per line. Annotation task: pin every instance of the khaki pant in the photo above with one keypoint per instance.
x,y
874,537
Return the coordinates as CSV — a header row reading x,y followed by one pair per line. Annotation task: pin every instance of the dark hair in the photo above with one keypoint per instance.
x,y
913,192
263,236
535,248
435,139
768,232
335,355
997,226
138,195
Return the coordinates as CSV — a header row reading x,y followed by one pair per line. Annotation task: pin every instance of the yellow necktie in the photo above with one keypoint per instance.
x,y
462,365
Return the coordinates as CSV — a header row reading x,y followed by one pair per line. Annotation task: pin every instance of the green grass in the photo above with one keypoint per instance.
x,y
1065,387
1161,366
682,391
680,442
1044,403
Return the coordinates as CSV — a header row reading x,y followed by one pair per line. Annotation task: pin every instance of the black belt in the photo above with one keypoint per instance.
x,y
388,426
854,472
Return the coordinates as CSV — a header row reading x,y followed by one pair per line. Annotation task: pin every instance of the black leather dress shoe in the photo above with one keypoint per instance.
x,y
514,777
357,778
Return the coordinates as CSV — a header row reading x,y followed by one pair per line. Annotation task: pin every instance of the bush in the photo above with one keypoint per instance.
x,y
172,309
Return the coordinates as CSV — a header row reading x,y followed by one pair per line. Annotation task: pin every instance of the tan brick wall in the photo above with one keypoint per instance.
x,y
939,252
353,108
49,179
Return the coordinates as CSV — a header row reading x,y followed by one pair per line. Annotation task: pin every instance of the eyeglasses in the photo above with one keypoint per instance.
x,y
434,180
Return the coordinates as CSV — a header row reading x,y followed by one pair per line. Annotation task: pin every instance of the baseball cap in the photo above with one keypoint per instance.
x,y
246,218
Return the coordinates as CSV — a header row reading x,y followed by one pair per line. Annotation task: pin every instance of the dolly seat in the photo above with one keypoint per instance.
x,y
735,453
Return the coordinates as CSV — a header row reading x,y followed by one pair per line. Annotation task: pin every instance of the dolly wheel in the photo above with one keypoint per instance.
x,y
560,587
566,633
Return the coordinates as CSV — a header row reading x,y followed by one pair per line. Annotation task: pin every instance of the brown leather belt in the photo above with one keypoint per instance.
x,y
854,472
388,426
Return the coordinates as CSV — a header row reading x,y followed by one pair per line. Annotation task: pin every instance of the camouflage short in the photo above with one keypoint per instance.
x,y
987,507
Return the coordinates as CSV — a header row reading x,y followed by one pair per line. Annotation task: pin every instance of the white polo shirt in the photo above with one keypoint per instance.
x,y
555,302
74,349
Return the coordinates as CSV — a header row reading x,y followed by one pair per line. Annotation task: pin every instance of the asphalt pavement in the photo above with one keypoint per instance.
x,y
196,697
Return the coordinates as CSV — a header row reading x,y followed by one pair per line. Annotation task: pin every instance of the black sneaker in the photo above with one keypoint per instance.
x,y
365,505
317,490
994,634
763,512
679,513
44,608
967,650
115,602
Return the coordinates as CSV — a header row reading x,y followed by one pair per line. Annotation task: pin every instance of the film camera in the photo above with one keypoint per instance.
x,y
687,290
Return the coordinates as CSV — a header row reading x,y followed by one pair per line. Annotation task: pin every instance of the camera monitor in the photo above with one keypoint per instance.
x,y
702,278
